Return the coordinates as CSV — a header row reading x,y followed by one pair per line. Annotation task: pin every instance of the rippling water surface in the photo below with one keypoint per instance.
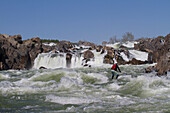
x,y
84,90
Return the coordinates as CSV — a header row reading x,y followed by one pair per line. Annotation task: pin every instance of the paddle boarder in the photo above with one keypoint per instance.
x,y
115,68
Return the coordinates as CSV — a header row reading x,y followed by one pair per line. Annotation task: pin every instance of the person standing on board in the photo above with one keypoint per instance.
x,y
114,70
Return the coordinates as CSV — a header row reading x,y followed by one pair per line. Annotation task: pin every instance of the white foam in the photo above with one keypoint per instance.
x,y
69,100
4,76
124,56
129,44
113,86
139,55
30,107
50,44
115,45
100,78
50,60
66,83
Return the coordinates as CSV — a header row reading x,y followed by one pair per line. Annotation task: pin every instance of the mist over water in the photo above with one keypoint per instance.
x,y
87,89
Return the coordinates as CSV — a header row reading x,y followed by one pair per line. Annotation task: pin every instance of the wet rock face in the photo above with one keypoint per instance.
x,y
136,62
34,47
161,55
47,49
88,54
85,43
149,69
68,59
120,60
99,48
108,59
64,46
18,54
153,47
163,62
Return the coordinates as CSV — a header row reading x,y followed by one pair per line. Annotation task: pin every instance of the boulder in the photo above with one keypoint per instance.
x,y
18,54
120,60
85,43
161,54
103,51
152,46
99,48
34,47
163,65
126,52
68,59
108,59
64,46
136,62
88,54
104,43
17,38
149,69
47,48
42,67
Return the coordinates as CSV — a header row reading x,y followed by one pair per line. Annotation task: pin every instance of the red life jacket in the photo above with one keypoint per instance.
x,y
114,66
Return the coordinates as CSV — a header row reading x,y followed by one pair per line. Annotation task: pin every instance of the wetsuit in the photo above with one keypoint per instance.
x,y
115,68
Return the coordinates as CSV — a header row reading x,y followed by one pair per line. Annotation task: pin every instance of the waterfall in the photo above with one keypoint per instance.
x,y
58,60
50,60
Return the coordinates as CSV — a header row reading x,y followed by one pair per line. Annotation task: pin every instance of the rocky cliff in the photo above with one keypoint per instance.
x,y
159,52
18,54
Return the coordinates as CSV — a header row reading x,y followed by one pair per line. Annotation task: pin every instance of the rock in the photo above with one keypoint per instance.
x,y
85,43
104,43
125,51
163,65
136,62
108,59
152,46
16,54
85,65
42,67
4,35
111,53
68,59
120,60
123,47
47,49
3,66
159,52
150,69
99,48
88,54
17,38
64,46
163,62
103,51
34,47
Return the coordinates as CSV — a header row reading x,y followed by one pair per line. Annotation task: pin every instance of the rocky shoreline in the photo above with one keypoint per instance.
x,y
18,54
159,52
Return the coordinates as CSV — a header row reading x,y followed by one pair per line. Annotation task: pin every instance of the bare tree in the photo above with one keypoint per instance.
x,y
127,37
113,39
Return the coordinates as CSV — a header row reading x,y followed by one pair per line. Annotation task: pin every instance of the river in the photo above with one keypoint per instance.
x,y
88,89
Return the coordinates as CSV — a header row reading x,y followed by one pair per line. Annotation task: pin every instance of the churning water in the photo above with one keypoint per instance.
x,y
84,90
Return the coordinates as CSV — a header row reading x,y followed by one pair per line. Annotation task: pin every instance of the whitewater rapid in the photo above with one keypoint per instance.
x,y
84,90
